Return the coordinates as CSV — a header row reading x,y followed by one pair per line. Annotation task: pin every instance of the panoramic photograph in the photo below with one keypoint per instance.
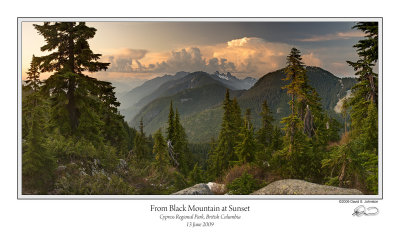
x,y
199,108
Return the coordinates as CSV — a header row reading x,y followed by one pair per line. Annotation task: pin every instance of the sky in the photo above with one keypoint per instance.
x,y
144,50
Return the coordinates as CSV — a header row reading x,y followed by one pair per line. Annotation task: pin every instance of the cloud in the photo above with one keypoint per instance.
x,y
122,60
311,60
247,56
253,56
334,36
186,59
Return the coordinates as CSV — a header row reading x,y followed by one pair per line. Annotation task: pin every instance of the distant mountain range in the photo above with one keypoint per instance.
x,y
198,97
136,99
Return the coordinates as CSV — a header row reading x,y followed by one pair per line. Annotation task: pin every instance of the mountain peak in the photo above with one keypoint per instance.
x,y
227,76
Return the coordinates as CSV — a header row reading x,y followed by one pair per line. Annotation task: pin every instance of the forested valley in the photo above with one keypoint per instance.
x,y
76,142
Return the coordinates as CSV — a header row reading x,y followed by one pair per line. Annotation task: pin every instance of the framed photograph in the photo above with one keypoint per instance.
x,y
200,108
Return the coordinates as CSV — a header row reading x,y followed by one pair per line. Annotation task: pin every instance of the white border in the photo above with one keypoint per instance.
x,y
201,197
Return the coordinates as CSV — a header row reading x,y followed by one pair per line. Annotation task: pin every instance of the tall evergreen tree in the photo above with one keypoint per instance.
x,y
236,119
265,133
246,147
305,127
141,146
38,165
366,90
355,162
76,97
223,152
171,123
32,98
180,144
296,75
33,74
160,151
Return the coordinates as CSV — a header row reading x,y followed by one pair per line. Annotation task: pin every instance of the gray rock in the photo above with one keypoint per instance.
x,y
198,189
217,189
301,187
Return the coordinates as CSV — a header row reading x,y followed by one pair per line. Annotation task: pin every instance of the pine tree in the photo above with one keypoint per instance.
x,y
236,119
367,50
30,101
295,74
70,56
196,175
160,151
180,144
224,151
265,133
33,81
357,157
246,147
38,165
304,127
141,146
171,125
366,90
276,141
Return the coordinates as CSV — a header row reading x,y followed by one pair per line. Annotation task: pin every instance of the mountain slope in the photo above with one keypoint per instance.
x,y
188,102
147,87
198,98
329,87
137,98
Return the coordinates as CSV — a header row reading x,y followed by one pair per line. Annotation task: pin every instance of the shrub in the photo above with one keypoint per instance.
x,y
244,185
239,170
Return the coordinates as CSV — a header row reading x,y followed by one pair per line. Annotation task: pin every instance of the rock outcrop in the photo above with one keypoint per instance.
x,y
217,189
198,189
301,187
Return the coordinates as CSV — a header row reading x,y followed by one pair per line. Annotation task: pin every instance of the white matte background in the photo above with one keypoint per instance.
x,y
127,216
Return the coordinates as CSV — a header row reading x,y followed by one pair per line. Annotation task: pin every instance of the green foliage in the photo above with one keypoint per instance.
x,y
370,164
353,166
179,181
244,185
171,123
367,87
355,162
265,133
75,180
225,146
196,175
71,118
200,111
160,151
142,147
180,144
307,130
37,164
246,147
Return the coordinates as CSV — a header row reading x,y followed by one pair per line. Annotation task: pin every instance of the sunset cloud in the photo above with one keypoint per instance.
x,y
247,56
243,57
122,60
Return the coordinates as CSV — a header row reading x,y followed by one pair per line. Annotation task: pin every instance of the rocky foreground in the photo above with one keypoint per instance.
x,y
301,187
280,187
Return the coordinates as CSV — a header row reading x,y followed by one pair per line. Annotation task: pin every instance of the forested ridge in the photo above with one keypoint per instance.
x,y
75,141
